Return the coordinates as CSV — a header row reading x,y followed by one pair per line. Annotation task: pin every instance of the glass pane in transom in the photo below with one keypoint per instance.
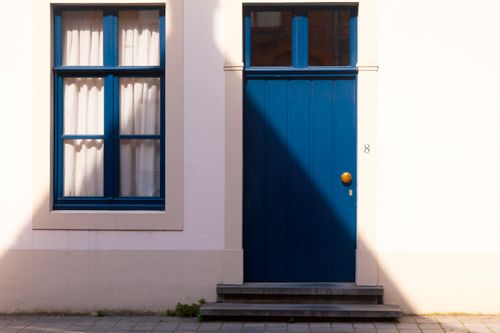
x,y
140,106
139,40
329,37
84,106
271,38
82,38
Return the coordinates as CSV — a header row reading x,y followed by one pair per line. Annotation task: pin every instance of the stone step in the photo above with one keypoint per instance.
x,y
299,311
292,292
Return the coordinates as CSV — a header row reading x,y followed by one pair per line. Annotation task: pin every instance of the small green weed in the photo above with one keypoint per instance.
x,y
186,310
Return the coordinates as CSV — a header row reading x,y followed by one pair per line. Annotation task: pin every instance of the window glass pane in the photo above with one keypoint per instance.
x,y
140,168
83,168
271,38
140,106
139,37
329,32
83,106
82,38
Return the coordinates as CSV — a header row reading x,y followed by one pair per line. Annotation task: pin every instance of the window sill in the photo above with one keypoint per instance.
x,y
139,220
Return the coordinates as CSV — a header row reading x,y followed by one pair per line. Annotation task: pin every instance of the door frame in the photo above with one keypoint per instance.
x,y
367,65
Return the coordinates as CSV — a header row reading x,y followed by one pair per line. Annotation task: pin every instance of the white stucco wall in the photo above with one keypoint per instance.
x,y
438,222
71,270
203,113
437,170
439,110
16,94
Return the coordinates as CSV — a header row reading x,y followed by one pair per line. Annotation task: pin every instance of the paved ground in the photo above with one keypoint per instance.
x,y
449,324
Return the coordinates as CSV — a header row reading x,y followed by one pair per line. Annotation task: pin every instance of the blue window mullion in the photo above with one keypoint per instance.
x,y
110,37
109,159
116,136
299,39
110,28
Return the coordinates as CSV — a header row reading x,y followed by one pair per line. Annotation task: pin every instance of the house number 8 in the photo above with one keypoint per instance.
x,y
366,149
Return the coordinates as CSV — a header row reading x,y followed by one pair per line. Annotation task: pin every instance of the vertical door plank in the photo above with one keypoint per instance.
x,y
299,119
277,157
322,215
255,193
344,238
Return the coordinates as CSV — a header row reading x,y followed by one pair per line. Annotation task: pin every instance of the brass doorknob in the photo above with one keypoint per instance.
x,y
346,178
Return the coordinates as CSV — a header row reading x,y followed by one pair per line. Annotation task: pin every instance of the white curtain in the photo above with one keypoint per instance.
x,y
140,168
84,105
139,114
83,168
82,38
139,37
139,103
140,106
83,115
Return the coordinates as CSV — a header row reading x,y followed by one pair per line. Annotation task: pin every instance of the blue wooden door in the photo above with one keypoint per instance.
x,y
299,137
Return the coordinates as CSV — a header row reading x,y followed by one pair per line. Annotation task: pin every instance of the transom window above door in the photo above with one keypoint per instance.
x,y
300,37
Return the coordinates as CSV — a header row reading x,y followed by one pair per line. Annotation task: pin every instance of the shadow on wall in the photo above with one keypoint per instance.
x,y
51,270
299,221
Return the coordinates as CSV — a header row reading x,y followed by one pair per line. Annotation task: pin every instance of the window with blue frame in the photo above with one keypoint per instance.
x,y
294,37
109,108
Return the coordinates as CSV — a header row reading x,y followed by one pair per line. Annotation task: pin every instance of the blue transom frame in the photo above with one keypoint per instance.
x,y
111,72
300,66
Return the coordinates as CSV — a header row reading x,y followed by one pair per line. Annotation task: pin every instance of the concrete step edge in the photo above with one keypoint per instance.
x,y
301,310
333,289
